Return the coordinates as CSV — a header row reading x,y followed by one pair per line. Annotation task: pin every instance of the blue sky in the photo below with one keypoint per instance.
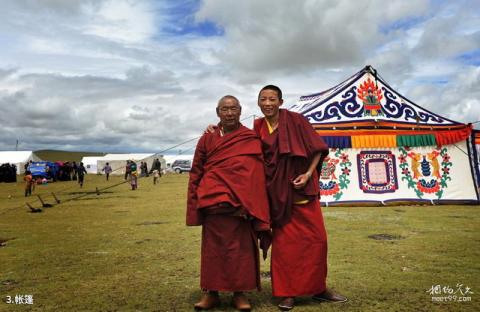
x,y
181,17
145,75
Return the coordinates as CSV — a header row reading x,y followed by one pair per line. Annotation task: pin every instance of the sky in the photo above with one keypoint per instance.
x,y
145,75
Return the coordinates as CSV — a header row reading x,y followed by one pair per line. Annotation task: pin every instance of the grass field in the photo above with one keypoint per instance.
x,y
130,251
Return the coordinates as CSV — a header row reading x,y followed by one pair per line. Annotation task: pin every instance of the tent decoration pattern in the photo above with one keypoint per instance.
x,y
377,172
419,155
372,97
330,184
424,173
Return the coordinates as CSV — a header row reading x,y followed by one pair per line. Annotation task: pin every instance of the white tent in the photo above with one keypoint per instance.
x,y
118,161
18,158
90,163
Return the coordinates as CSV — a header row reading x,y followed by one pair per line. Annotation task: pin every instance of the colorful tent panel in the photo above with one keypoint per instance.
x,y
416,140
451,137
374,139
338,141
359,141
436,174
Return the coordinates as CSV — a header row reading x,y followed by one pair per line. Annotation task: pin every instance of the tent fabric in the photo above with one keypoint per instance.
x,y
338,141
90,163
118,161
360,141
416,140
18,158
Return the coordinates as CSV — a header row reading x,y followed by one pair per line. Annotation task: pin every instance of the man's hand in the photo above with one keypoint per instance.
x,y
301,180
210,129
265,238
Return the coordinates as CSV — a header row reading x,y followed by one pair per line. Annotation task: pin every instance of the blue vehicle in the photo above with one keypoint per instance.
x,y
44,169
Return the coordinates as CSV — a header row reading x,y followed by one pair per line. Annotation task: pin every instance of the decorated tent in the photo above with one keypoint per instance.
x,y
18,158
385,149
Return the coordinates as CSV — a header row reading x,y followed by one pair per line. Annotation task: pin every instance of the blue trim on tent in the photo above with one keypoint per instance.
x,y
360,74
338,141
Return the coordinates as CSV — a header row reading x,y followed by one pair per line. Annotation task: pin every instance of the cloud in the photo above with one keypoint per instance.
x,y
145,75
302,36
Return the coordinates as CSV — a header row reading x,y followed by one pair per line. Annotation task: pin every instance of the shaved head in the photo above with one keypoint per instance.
x,y
226,97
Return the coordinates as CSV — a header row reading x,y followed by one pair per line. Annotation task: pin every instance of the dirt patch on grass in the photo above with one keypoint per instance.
x,y
152,223
143,241
8,282
385,237
3,241
265,275
399,210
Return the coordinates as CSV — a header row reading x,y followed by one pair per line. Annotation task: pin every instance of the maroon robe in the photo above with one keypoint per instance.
x,y
299,247
227,196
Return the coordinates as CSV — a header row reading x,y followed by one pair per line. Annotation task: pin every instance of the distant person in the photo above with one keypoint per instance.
x,y
227,196
142,173
133,175
156,175
74,171
127,170
28,183
145,168
157,165
81,171
107,169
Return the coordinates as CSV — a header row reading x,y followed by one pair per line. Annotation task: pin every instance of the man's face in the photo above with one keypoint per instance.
x,y
269,103
229,112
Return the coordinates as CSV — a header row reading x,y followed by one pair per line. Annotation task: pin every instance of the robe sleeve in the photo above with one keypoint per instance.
x,y
194,217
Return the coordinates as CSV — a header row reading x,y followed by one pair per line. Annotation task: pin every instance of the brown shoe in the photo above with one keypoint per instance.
x,y
287,303
329,296
209,300
240,302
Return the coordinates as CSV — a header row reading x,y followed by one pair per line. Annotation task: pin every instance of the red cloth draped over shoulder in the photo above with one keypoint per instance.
x,y
288,152
228,169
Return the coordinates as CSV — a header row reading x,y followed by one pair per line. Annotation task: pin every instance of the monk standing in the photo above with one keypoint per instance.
x,y
293,154
227,196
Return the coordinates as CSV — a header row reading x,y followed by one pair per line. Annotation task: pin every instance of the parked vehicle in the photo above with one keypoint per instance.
x,y
180,166
44,169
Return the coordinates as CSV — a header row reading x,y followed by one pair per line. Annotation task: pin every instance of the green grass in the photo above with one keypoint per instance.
x,y
54,155
130,251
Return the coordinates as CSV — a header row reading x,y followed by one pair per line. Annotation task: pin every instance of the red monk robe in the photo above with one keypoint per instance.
x,y
299,247
227,196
